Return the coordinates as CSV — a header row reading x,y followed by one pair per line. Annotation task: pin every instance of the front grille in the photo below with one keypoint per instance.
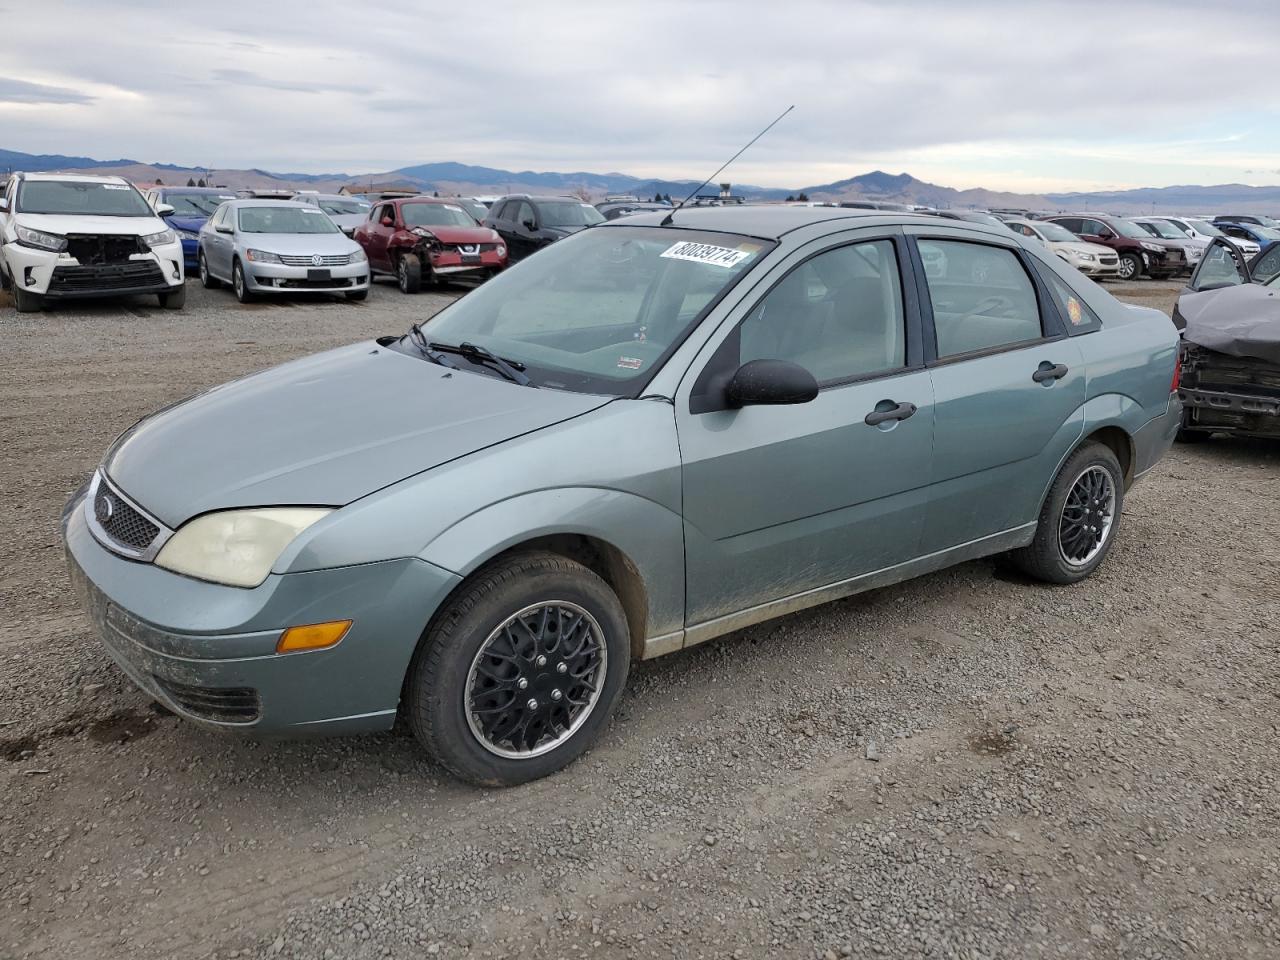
x,y
94,249
122,522
473,248
222,704
91,279
336,260
1109,261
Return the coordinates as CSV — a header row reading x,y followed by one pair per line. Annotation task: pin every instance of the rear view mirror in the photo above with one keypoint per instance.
x,y
770,382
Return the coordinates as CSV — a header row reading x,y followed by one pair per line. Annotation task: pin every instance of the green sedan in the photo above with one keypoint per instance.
x,y
653,433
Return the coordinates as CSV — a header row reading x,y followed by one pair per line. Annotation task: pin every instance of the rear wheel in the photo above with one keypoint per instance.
x,y
27,302
174,299
1130,266
409,273
1079,519
239,284
207,279
520,671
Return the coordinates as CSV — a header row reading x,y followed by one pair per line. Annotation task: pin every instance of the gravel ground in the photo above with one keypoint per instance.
x,y
967,765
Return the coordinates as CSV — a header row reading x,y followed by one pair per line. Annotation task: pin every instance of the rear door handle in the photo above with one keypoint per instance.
x,y
899,412
1049,371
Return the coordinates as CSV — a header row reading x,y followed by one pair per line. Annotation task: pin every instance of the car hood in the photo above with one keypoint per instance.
x,y
1241,320
464,234
324,430
190,224
64,223
1080,246
299,244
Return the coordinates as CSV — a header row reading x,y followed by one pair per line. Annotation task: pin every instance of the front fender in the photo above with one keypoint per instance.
x,y
648,534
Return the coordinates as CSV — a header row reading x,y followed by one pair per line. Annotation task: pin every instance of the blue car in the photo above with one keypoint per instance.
x,y
1264,237
192,206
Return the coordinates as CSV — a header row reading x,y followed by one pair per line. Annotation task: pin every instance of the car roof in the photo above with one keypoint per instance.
x,y
163,189
404,200
774,222
241,202
75,177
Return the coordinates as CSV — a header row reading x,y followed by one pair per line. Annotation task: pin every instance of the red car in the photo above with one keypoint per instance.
x,y
428,240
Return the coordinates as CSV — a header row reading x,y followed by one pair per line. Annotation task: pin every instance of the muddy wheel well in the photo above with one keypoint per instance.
x,y
1121,445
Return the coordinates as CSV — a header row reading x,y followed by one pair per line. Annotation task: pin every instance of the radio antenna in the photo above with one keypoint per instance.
x,y
666,221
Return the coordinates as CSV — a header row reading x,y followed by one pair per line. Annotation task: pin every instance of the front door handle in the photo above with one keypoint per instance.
x,y
899,412
1049,371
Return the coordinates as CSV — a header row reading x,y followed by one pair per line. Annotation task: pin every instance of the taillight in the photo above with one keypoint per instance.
x,y
1177,373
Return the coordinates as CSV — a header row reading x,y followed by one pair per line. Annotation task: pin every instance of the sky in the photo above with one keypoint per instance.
x,y
1020,95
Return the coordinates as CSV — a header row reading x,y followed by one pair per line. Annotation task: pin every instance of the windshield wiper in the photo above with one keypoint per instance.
x,y
420,341
513,370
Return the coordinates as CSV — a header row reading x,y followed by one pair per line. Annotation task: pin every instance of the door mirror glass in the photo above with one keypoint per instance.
x,y
164,209
771,382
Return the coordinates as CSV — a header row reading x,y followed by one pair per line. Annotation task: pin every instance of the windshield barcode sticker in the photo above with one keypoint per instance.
x,y
706,253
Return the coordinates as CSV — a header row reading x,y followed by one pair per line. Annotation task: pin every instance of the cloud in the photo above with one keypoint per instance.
x,y
20,91
980,93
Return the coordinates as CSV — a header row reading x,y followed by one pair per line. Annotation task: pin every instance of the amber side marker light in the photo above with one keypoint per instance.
x,y
312,636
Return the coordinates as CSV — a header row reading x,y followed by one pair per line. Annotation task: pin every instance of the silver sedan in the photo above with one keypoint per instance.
x,y
275,246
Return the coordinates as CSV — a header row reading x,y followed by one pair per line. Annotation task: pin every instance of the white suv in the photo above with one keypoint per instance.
x,y
63,237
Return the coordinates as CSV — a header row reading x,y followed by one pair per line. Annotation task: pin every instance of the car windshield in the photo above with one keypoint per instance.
x,y
285,220
1205,227
435,215
1055,233
600,311
1162,228
1267,233
194,204
1127,229
340,208
570,213
80,198
475,208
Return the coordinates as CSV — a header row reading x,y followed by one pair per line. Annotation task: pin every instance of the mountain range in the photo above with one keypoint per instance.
x,y
466,179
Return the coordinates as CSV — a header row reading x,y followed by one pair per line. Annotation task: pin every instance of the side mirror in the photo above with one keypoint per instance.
x,y
164,209
529,224
225,228
1106,235
387,222
759,382
4,204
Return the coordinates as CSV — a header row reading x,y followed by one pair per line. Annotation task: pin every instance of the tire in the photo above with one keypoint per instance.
x,y
409,273
358,295
4,279
207,279
449,660
1048,557
174,299
239,284
1130,266
26,302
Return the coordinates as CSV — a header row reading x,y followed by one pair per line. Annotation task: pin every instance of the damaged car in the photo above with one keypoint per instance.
x,y
656,432
65,237
427,241
1229,315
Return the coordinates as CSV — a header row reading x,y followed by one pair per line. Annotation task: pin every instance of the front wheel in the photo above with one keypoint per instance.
x,y
1130,266
27,302
519,672
239,284
174,299
409,273
1079,519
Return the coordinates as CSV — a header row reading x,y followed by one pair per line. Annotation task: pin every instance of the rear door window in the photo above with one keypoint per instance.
x,y
983,298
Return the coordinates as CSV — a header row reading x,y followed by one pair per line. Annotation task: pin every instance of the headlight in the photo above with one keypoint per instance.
x,y
502,251
1152,247
160,239
423,232
236,547
262,256
1086,256
41,240
358,255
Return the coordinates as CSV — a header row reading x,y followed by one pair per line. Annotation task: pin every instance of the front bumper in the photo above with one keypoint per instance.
x,y
451,263
278,278
207,652
1231,411
1096,268
59,276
